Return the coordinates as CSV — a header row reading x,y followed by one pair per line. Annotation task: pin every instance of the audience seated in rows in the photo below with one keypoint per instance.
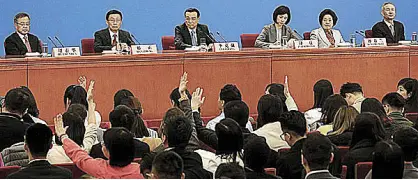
x,y
343,126
167,165
408,87
388,161
317,153
353,94
393,104
322,90
331,105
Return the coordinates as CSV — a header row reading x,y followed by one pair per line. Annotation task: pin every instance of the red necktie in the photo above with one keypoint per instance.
x,y
330,38
27,43
114,42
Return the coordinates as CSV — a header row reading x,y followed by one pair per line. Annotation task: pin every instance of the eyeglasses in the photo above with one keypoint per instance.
x,y
23,24
114,20
282,136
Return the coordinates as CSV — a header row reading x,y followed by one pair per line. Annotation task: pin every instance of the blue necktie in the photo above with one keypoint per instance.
x,y
194,38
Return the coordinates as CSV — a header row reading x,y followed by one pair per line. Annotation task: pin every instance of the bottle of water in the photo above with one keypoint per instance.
x,y
44,49
353,40
203,47
284,42
414,38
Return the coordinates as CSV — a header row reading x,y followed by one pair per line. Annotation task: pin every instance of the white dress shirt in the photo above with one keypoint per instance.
x,y
212,123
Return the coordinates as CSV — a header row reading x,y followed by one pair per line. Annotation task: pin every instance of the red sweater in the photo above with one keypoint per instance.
x,y
99,168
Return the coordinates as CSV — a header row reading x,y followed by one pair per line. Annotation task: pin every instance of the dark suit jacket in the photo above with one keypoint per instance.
x,y
141,149
183,39
381,30
15,46
12,130
360,152
289,165
41,170
321,175
103,41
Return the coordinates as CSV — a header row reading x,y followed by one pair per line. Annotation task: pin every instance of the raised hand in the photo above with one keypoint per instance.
x,y
59,126
90,91
82,81
183,83
197,99
286,87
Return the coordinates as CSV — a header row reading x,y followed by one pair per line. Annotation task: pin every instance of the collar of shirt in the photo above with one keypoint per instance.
x,y
359,100
389,24
22,36
318,171
111,35
37,160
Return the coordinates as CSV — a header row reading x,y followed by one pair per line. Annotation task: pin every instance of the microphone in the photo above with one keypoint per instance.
x,y
133,37
219,34
59,41
210,37
50,39
213,36
297,34
361,33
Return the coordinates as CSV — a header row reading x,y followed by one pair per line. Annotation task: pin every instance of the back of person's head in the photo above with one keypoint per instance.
x,y
256,153
374,106
76,128
269,109
367,126
317,151
330,108
175,96
33,108
122,116
238,111
16,101
344,120
120,95
229,93
171,114
75,94
277,90
78,109
394,100
230,170
293,122
322,90
230,138
138,128
403,80
178,132
352,88
168,165
388,161
407,139
38,139
133,103
146,164
119,142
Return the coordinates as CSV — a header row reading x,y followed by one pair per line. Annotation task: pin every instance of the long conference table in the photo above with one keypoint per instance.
x,y
152,77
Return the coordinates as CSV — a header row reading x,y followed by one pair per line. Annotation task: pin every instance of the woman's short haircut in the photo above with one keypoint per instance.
x,y
168,165
119,142
269,109
388,161
281,10
328,12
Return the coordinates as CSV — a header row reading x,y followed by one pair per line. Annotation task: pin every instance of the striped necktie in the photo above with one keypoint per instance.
x,y
194,38
27,43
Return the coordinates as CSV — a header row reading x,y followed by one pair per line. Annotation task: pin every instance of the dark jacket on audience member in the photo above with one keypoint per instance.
x,y
41,169
14,45
288,164
250,174
343,139
12,130
193,165
321,175
141,149
398,122
360,152
103,41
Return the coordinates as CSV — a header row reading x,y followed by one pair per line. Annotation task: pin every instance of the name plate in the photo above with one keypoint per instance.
x,y
144,49
225,47
66,52
306,44
375,42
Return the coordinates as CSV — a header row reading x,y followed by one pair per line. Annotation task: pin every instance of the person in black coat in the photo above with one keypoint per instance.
x,y
256,154
21,41
108,38
191,32
390,29
37,143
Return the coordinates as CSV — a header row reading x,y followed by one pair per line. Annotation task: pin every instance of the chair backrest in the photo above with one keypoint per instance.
x,y
369,33
77,173
343,151
5,171
306,35
52,127
271,171
87,45
137,160
344,172
168,43
248,40
361,169
105,125
413,117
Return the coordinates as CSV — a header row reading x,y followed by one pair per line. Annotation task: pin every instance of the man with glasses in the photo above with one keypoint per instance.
x,y
21,41
107,39
390,29
191,33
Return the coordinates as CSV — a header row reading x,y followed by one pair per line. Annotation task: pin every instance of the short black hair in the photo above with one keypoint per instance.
x,y
76,94
78,109
388,161
119,141
331,106
280,11
374,106
175,96
146,163
120,95
322,90
230,170
238,111
278,90
230,139
76,128
317,151
113,11
367,126
404,80
407,139
293,121
39,139
257,153
394,99
269,109
16,101
192,10
20,15
350,88
328,12
122,116
178,132
229,93
168,165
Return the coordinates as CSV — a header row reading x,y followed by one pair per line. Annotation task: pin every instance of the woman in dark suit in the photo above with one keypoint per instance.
x,y
273,33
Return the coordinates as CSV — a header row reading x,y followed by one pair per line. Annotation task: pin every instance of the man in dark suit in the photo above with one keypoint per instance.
x,y
390,29
21,41
110,37
37,143
191,32
317,154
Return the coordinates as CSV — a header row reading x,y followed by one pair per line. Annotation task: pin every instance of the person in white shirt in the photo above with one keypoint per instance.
x,y
317,154
322,90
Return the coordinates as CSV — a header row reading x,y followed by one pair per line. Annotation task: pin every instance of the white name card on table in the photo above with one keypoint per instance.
x,y
225,47
144,49
306,44
66,52
375,42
